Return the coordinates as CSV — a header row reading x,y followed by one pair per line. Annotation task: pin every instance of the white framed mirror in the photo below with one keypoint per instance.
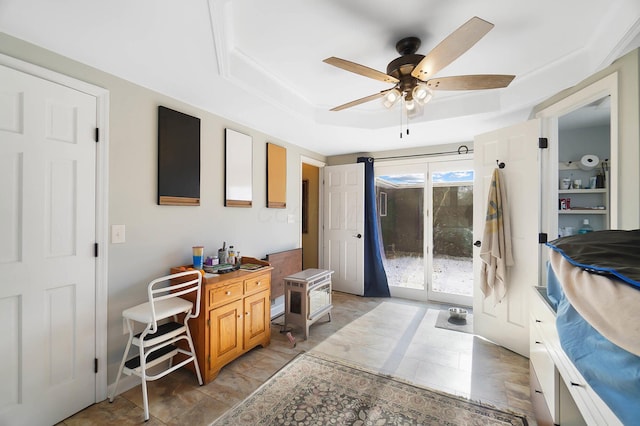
x,y
238,169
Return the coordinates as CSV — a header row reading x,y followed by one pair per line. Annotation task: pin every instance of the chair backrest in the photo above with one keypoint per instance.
x,y
179,284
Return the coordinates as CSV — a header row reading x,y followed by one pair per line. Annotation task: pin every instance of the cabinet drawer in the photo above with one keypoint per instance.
x,y
258,283
226,293
546,374
540,408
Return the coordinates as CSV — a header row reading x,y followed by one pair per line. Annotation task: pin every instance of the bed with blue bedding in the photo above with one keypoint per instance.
x,y
594,282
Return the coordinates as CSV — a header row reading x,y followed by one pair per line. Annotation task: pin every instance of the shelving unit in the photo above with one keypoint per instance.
x,y
585,203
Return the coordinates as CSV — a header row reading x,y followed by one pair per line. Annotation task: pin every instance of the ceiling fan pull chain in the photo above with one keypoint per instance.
x,y
401,110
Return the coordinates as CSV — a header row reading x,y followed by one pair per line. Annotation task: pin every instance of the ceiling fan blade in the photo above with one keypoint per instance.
x,y
360,69
470,82
360,101
452,47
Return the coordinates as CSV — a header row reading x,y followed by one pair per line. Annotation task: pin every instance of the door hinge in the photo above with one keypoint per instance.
x,y
95,249
542,238
97,135
543,143
95,365
209,359
208,322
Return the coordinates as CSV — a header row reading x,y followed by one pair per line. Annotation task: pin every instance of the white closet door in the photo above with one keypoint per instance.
x,y
47,263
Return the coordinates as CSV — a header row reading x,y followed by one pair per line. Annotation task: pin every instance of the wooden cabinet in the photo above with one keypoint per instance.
x,y
234,318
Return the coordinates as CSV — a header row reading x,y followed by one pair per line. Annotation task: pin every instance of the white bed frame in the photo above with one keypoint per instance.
x,y
567,396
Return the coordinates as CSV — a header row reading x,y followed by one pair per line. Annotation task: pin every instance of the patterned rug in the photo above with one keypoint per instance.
x,y
313,390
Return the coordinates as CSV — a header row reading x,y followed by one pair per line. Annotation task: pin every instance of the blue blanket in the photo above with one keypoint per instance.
x,y
612,372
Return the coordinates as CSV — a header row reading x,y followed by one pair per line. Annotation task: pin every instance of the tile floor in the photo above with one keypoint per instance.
x,y
393,336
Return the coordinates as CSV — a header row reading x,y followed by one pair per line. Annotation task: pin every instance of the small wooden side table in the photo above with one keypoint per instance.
x,y
307,297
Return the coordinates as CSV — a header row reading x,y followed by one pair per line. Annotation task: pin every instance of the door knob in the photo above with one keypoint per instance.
x,y
477,243
358,235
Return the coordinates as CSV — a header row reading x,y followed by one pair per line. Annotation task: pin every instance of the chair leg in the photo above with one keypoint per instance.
x,y
143,376
195,358
124,359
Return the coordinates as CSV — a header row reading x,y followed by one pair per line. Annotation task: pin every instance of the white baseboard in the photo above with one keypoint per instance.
x,y
277,307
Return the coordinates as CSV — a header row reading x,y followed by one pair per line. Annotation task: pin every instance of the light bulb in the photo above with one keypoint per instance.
x,y
422,94
410,105
391,98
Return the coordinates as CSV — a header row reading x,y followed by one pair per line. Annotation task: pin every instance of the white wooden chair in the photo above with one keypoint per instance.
x,y
157,342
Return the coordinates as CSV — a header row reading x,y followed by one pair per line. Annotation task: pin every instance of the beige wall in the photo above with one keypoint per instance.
x,y
158,237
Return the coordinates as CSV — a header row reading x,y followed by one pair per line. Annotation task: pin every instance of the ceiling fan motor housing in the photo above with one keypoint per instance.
x,y
401,68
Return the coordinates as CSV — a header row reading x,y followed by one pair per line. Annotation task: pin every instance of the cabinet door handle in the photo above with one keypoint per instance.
x,y
538,320
577,384
259,283
538,391
538,342
228,293
246,313
239,315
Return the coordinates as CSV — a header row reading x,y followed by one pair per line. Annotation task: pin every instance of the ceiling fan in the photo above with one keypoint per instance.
x,y
413,74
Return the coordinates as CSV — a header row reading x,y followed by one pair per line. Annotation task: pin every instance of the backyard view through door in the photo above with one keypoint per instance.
x,y
432,262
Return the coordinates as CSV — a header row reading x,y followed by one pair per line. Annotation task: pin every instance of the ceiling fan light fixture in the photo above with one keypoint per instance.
x,y
391,98
422,94
410,104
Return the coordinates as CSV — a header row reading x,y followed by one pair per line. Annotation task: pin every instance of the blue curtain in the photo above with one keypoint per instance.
x,y
375,279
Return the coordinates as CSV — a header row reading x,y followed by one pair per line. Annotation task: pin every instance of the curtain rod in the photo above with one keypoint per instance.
x,y
462,149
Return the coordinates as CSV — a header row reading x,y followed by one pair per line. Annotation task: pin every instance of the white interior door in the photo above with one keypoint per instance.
x,y
507,322
344,226
47,263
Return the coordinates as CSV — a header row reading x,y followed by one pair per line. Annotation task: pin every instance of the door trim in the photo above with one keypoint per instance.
x,y
102,202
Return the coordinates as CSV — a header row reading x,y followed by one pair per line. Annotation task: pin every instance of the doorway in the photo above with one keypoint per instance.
x,y
310,198
425,213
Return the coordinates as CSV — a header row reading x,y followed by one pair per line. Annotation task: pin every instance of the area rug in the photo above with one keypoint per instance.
x,y
315,390
465,326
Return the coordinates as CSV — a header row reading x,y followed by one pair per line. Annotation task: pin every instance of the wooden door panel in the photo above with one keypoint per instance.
x,y
256,318
225,336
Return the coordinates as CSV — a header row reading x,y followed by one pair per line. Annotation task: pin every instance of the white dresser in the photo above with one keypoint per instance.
x,y
559,393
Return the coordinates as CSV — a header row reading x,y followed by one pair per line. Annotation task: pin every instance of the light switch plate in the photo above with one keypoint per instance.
x,y
117,234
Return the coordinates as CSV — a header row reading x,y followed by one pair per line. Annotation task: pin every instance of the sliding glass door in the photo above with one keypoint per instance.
x,y
451,204
425,211
400,194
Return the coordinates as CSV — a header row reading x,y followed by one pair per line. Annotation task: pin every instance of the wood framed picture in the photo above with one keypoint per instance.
x,y
276,176
238,178
178,158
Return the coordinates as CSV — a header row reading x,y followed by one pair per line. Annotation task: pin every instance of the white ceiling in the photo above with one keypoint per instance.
x,y
259,63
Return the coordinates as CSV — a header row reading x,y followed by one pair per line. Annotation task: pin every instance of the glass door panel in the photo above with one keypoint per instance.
x,y
451,256
400,195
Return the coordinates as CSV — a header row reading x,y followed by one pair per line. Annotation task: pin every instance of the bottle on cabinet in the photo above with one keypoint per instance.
x,y
232,256
585,228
